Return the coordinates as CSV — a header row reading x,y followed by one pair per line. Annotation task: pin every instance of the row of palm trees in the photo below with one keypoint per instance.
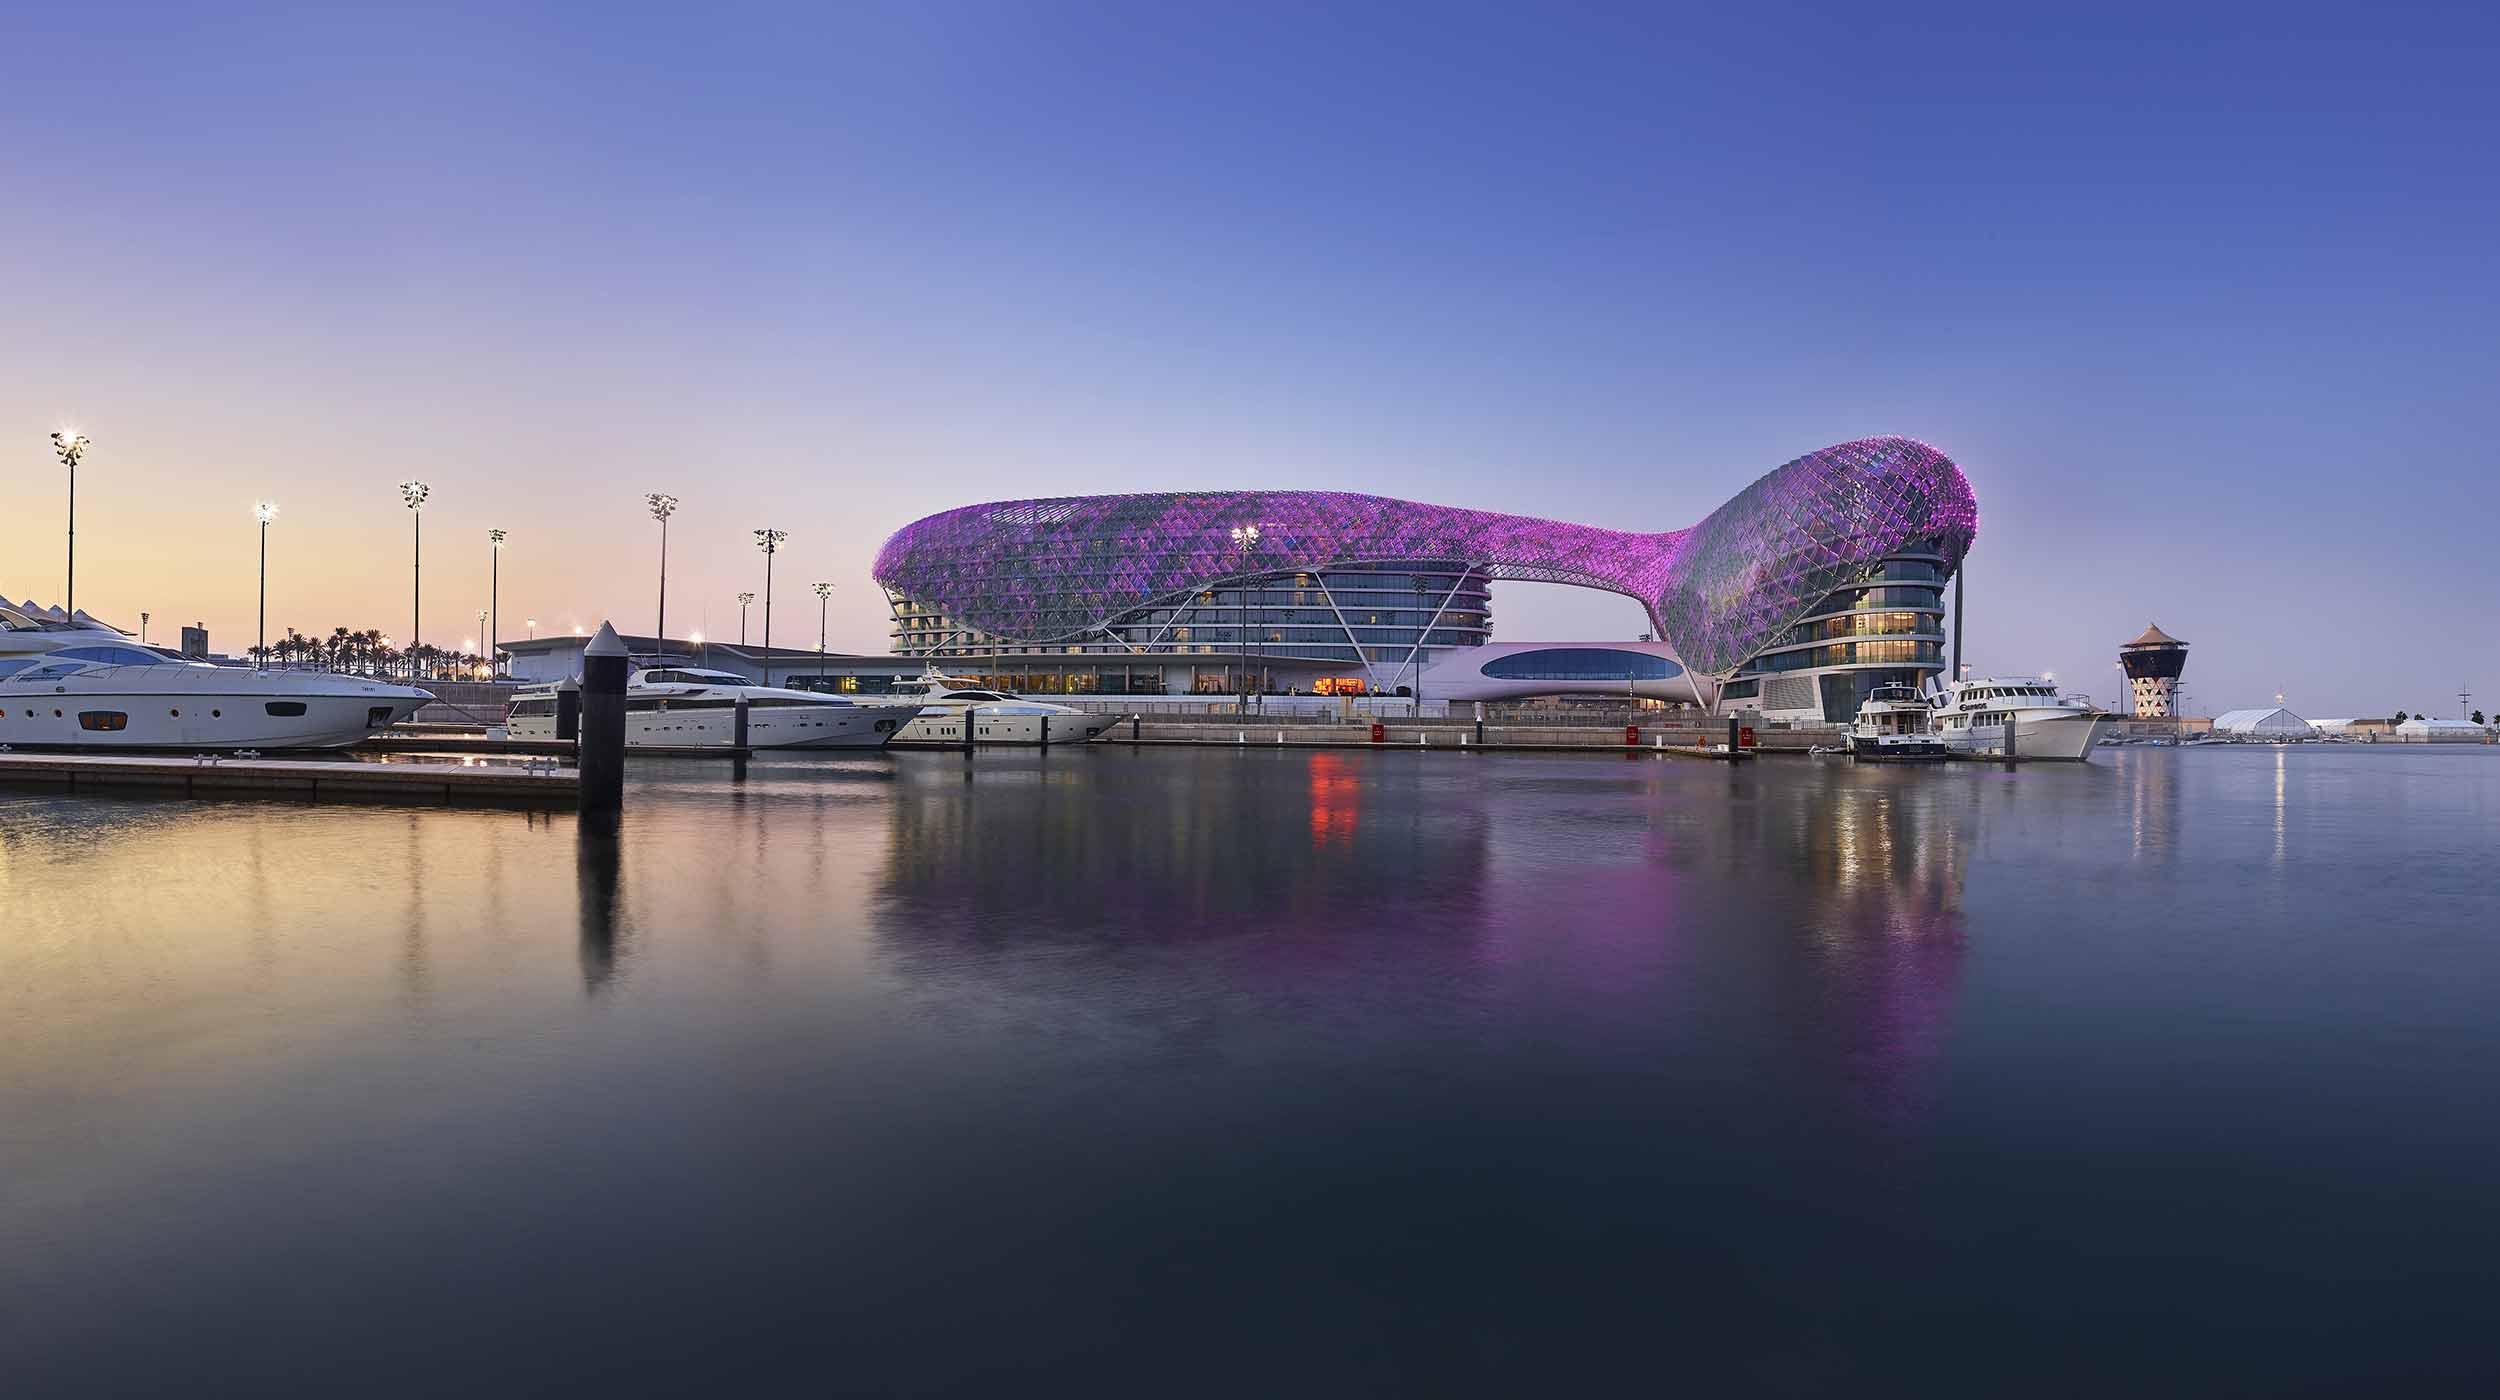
x,y
366,653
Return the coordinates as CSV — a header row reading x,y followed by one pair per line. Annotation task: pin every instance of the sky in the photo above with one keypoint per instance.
x,y
2200,297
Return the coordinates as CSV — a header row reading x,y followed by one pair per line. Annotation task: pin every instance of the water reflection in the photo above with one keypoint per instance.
x,y
598,855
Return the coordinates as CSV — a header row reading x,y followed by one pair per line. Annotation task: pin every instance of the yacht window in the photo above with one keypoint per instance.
x,y
52,671
11,668
112,656
103,721
377,716
284,709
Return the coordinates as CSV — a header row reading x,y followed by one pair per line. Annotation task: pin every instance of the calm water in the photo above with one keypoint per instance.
x,y
1268,1073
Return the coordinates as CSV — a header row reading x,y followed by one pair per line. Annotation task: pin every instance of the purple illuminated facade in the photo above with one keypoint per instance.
x,y
1186,572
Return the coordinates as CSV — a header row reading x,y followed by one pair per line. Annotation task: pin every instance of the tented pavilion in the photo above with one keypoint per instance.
x,y
2276,723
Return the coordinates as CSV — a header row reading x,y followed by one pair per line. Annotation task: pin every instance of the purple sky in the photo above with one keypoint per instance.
x,y
2200,298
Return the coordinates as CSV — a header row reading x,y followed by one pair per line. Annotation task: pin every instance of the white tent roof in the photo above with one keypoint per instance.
x,y
2421,725
2277,720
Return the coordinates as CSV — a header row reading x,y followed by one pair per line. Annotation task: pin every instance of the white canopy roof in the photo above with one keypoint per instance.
x,y
2277,720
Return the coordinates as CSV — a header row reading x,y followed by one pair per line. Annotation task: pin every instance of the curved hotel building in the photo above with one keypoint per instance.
x,y
1819,581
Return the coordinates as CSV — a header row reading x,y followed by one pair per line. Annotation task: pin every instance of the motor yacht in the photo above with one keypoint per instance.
x,y
997,717
1973,717
1893,723
79,683
683,706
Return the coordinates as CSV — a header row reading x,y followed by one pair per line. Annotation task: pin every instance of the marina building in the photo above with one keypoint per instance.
x,y
1818,582
2153,663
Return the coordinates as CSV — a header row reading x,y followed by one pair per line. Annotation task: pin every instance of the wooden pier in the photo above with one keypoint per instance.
x,y
312,779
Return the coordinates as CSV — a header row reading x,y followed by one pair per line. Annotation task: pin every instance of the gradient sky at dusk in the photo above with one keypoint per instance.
x,y
2201,298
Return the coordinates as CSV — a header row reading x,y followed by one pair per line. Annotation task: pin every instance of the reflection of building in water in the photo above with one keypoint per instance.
x,y
2152,779
1880,857
1048,844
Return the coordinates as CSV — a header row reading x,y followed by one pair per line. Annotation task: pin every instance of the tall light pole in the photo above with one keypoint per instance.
x,y
414,494
743,600
264,512
143,627
769,541
663,505
1245,539
69,447
824,600
494,590
533,626
485,642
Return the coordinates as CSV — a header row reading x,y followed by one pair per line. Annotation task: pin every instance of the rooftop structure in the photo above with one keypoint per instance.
x,y
2153,664
1366,590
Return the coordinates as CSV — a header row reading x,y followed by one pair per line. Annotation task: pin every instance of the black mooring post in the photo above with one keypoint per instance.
x,y
1731,736
738,725
2010,741
1132,729
1958,571
569,711
602,748
967,731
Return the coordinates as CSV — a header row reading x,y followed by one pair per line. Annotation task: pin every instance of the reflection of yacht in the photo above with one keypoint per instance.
x,y
1971,717
1893,723
996,717
681,705
81,684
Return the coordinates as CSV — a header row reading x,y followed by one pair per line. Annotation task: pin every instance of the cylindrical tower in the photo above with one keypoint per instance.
x,y
2153,663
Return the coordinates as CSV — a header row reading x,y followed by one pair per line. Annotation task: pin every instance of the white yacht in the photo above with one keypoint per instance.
x,y
81,684
1894,723
682,706
1971,717
997,717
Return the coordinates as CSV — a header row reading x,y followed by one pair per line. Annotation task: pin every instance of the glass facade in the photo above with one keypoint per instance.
x,y
1378,613
1886,627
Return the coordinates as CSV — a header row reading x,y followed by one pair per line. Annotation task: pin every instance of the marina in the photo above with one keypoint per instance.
x,y
1247,701
829,1031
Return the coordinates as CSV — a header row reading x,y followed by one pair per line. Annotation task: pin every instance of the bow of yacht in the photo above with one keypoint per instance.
x,y
688,707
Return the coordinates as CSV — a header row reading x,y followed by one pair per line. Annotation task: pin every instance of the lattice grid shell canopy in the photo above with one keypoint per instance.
x,y
1064,568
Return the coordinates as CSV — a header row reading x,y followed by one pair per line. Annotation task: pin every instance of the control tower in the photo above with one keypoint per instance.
x,y
2153,663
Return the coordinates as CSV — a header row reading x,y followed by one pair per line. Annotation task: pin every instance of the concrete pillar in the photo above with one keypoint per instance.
x,y
601,753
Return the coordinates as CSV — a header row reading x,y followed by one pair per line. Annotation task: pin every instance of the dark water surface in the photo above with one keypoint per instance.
x,y
1268,1073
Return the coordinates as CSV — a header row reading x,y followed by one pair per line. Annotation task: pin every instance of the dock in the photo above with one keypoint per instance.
x,y
309,778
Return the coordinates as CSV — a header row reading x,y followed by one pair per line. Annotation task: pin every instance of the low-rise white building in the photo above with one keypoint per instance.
x,y
2421,730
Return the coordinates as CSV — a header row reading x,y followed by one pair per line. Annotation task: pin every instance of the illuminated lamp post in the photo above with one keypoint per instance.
x,y
662,506
70,447
769,541
743,600
494,591
485,642
413,493
1423,604
824,599
1245,539
264,512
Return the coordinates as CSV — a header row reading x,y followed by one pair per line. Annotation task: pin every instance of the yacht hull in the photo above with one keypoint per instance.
x,y
995,726
768,726
196,722
2064,738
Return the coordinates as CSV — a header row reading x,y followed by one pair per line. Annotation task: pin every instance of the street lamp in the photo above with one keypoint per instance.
x,y
824,598
143,628
494,590
264,512
743,600
1245,539
769,541
413,493
663,505
69,447
533,626
485,639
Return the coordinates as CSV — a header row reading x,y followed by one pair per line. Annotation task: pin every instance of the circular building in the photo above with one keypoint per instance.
x,y
2153,663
